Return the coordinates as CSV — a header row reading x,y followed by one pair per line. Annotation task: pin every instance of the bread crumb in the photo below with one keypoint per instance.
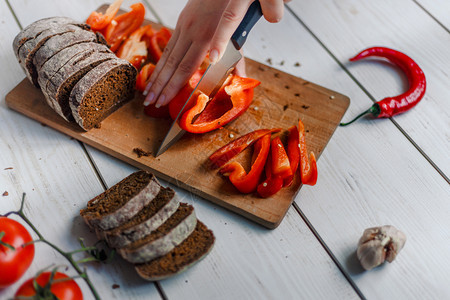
x,y
305,106
141,152
269,61
5,193
297,64
115,286
285,107
9,168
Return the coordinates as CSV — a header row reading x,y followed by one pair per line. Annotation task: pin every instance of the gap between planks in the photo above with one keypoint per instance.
x,y
431,15
361,86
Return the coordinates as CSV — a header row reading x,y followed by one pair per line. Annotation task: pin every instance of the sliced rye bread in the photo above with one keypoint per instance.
x,y
35,28
58,61
162,240
59,42
147,220
101,91
121,202
29,48
60,85
197,245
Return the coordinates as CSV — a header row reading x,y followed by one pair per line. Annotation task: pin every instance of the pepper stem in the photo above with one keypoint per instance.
x,y
374,110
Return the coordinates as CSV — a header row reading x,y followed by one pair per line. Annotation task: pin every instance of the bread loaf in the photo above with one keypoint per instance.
x,y
121,202
101,91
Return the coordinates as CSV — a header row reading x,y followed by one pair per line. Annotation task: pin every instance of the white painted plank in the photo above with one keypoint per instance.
x,y
54,171
439,9
346,27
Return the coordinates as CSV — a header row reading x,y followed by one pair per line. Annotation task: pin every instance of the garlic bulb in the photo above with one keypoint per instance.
x,y
378,244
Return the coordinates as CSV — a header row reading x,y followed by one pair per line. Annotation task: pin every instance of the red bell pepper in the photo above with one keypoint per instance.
x,y
176,104
230,150
98,21
280,161
231,101
272,184
247,183
134,49
308,170
293,152
158,42
123,25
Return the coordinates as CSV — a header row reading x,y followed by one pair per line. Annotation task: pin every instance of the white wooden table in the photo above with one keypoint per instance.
x,y
375,172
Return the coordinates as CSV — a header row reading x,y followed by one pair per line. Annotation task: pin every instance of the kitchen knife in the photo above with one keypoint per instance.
x,y
215,75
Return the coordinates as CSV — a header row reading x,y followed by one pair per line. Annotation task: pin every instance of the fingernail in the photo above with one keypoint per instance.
x,y
149,99
213,56
160,101
147,88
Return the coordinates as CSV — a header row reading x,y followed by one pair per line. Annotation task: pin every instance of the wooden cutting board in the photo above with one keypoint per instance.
x,y
279,102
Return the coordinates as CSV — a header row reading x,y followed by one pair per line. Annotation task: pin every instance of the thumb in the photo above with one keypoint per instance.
x,y
230,20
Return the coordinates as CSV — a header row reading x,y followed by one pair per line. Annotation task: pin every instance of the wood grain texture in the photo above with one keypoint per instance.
x,y
279,102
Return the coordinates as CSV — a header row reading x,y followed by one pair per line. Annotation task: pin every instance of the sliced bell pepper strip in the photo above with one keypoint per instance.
x,y
229,103
280,161
98,21
158,42
247,183
134,49
230,150
272,184
293,152
308,169
123,25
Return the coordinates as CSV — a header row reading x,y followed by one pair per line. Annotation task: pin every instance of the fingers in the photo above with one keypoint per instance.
x,y
231,17
183,72
272,10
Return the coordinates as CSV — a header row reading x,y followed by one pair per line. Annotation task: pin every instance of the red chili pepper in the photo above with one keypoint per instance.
x,y
134,49
293,152
233,148
392,106
272,184
247,183
98,21
158,42
308,170
123,25
229,103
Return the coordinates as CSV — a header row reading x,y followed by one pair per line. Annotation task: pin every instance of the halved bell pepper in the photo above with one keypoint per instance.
x,y
230,150
308,169
293,152
123,25
134,49
231,101
98,21
158,42
247,182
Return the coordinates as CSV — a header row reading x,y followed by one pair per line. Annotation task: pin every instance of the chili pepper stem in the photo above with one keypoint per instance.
x,y
67,255
374,110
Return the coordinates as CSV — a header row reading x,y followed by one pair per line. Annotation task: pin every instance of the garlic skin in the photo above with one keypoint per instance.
x,y
378,244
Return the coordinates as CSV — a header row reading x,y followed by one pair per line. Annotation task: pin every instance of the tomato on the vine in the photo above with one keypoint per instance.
x,y
62,287
14,263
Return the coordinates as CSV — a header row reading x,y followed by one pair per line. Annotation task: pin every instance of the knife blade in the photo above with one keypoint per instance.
x,y
215,75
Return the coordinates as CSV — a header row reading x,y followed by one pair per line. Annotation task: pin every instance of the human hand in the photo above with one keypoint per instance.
x,y
204,26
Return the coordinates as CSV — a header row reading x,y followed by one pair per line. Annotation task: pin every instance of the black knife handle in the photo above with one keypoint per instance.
x,y
252,16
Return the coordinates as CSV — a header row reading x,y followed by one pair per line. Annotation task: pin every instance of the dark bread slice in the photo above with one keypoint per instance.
x,y
147,220
57,43
35,28
101,91
60,85
162,240
198,244
29,48
121,202
59,60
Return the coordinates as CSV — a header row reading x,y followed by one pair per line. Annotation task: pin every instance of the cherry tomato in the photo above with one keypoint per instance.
x,y
64,289
14,263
